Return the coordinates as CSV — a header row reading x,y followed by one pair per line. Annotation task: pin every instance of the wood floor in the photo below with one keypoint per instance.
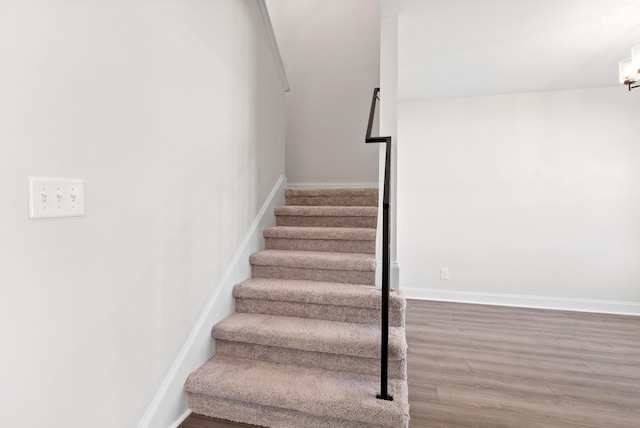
x,y
490,366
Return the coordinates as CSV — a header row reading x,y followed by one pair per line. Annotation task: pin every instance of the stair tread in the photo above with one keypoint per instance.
x,y
313,391
335,233
331,191
332,196
314,260
332,337
326,211
315,292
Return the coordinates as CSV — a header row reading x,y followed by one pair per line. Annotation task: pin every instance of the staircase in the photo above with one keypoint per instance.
x,y
303,347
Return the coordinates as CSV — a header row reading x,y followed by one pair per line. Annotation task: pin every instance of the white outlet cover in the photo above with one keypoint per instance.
x,y
55,197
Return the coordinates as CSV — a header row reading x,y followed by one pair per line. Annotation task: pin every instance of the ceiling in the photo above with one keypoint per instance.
x,y
453,48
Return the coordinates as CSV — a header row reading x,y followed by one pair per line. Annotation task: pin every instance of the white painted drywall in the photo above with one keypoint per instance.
x,y
173,113
331,52
389,127
169,406
532,194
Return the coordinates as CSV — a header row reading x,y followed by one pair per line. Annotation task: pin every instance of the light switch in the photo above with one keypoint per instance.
x,y
55,197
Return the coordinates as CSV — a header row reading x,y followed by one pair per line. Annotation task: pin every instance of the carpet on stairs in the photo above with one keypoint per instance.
x,y
303,346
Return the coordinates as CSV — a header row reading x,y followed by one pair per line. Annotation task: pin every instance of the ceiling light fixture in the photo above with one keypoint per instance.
x,y
630,68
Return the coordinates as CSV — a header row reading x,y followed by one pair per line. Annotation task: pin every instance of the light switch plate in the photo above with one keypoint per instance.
x,y
55,197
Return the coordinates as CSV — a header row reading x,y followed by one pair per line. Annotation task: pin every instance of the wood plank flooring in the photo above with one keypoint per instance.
x,y
491,366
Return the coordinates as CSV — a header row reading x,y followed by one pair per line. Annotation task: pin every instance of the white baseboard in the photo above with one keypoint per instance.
x,y
361,184
181,419
170,402
539,302
394,274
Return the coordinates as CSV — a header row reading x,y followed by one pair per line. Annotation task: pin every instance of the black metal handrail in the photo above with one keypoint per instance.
x,y
386,255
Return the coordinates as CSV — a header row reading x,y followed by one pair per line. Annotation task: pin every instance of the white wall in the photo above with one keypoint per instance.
x,y
532,194
173,114
389,127
331,51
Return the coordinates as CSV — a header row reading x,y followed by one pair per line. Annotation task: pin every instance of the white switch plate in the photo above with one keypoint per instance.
x,y
55,197
444,273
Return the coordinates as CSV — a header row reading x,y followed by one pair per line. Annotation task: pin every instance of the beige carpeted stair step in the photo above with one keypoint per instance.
x,y
331,337
328,239
327,216
397,369
290,396
350,268
331,345
363,196
320,300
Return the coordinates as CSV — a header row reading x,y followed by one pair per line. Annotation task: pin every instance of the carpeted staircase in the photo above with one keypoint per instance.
x,y
302,349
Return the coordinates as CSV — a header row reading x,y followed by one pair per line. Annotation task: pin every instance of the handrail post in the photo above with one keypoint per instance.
x,y
386,254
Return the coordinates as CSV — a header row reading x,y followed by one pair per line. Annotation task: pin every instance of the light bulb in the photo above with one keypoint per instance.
x,y
628,72
635,57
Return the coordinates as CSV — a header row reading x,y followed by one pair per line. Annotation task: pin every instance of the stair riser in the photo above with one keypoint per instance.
x,y
339,362
326,221
318,311
342,276
335,201
333,245
266,415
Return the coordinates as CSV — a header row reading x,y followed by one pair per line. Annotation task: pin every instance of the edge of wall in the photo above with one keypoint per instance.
x,y
275,49
167,408
394,274
538,302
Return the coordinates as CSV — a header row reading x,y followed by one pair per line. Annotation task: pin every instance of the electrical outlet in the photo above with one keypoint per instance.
x,y
444,273
55,197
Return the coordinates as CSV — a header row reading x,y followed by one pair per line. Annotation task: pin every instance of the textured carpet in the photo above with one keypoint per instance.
x,y
327,239
332,197
320,300
333,337
310,391
330,216
303,347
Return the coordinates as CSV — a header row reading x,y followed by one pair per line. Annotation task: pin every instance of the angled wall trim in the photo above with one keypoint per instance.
x,y
169,406
538,302
274,45
181,419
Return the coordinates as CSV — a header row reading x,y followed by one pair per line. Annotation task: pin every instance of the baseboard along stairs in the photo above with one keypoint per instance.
x,y
303,346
